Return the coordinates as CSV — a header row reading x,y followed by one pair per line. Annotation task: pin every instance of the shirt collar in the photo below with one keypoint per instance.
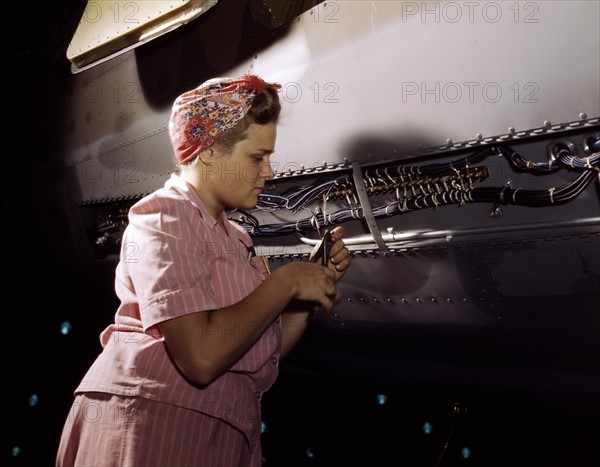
x,y
181,186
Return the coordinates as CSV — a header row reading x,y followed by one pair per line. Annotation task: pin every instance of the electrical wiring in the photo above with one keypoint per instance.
x,y
547,197
433,169
418,187
564,158
592,161
244,218
298,198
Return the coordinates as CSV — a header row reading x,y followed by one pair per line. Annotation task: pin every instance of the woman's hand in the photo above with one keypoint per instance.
x,y
339,256
311,282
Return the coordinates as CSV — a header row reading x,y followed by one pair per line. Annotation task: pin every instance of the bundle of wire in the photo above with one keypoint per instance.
x,y
301,198
564,159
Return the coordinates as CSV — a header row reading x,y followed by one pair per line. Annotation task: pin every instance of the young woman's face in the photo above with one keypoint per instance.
x,y
238,176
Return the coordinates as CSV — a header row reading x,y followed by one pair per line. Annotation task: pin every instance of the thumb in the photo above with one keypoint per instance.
x,y
337,233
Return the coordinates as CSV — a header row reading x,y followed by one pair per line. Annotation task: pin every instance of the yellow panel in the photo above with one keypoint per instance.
x,y
110,27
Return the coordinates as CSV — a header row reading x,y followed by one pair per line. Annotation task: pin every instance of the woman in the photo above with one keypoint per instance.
x,y
202,324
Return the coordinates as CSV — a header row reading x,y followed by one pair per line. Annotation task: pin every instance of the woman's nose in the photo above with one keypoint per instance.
x,y
267,171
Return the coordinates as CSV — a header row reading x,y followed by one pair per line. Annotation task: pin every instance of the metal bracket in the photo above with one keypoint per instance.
x,y
365,204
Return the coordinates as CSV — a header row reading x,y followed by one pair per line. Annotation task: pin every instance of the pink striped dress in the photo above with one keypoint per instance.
x,y
133,407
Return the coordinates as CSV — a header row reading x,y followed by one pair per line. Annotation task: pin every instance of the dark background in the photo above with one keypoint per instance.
x,y
310,418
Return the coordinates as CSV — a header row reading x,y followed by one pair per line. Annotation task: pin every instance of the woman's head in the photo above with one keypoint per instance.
x,y
219,112
265,109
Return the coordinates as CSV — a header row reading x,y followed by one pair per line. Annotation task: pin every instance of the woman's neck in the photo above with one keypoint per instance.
x,y
194,177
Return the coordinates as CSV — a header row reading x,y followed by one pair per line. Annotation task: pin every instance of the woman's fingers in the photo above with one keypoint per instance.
x,y
332,299
315,283
337,233
339,255
328,293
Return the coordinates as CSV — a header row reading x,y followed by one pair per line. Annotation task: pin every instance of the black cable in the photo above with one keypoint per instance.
x,y
437,168
593,144
563,159
547,197
455,413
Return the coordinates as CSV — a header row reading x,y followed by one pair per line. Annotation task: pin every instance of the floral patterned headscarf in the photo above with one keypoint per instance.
x,y
201,116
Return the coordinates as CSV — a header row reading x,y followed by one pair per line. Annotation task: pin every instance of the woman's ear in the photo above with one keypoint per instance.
x,y
207,156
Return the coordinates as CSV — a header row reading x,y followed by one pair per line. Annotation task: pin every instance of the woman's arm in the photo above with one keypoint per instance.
x,y
294,321
206,344
296,317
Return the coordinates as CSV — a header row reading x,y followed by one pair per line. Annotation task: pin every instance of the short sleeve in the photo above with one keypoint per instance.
x,y
166,259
